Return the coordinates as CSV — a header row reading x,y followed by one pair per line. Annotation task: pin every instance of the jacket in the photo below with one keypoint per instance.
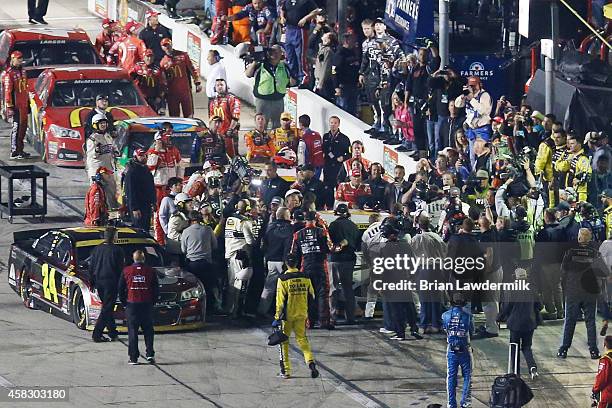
x,y
198,242
100,152
352,195
271,85
334,146
138,186
105,265
150,79
165,211
96,211
293,289
342,228
314,148
179,72
323,66
103,44
164,164
227,107
523,314
603,380
277,240
138,284
273,187
581,270
259,144
15,84
457,324
312,245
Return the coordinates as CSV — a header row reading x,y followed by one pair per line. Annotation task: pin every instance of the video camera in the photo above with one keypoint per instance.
x,y
240,166
249,53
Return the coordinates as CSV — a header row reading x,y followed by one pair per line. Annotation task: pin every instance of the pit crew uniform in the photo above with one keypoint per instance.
x,y
163,165
130,51
207,147
227,107
457,324
314,151
101,152
103,44
16,99
259,145
312,244
179,72
607,216
239,238
603,381
546,158
293,289
152,82
577,167
96,211
351,194
285,138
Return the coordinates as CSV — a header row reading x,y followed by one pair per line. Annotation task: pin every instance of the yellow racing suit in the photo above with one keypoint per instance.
x,y
285,138
576,167
608,220
292,291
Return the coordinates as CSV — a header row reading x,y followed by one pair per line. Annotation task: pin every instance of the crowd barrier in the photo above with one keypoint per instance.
x,y
189,38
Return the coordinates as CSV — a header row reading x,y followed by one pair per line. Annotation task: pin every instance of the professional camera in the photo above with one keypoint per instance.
x,y
422,190
426,42
240,166
510,173
249,53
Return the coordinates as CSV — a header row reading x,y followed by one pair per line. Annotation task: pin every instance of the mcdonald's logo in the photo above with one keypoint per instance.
x,y
75,115
175,71
219,111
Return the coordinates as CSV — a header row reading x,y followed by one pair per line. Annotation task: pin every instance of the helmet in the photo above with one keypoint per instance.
x,y
181,198
342,210
98,117
242,49
285,157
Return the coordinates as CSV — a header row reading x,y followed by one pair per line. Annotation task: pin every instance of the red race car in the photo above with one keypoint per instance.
x,y
63,97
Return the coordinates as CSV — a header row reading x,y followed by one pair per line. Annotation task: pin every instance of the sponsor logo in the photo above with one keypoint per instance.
x,y
477,69
75,115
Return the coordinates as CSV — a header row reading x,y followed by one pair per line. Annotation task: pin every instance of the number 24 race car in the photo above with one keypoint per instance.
x,y
49,271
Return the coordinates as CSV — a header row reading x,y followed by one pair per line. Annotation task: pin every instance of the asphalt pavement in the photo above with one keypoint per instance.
x,y
228,364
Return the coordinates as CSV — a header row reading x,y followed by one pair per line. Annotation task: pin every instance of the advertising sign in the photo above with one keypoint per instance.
x,y
389,162
291,104
410,18
194,49
487,68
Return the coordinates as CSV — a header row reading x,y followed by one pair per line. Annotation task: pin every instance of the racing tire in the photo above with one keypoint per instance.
x,y
77,309
26,290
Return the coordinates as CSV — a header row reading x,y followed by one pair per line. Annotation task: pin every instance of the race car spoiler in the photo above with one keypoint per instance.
x,y
20,236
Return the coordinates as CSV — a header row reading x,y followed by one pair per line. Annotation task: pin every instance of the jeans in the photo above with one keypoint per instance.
x,y
551,288
320,311
342,273
271,109
430,314
434,138
144,221
524,339
206,273
453,362
140,315
397,317
490,303
294,50
572,314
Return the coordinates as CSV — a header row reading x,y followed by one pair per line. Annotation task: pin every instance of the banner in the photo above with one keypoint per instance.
x,y
194,49
487,68
389,162
291,104
403,16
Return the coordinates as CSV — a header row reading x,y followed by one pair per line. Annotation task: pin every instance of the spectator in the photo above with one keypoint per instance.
x,y
580,269
315,36
478,104
438,113
336,147
216,71
138,292
271,81
344,236
261,21
378,187
314,145
153,33
273,185
105,265
37,9
323,66
403,124
345,74
139,190
601,180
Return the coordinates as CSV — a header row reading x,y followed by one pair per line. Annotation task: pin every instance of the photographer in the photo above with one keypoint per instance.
x,y
271,81
477,103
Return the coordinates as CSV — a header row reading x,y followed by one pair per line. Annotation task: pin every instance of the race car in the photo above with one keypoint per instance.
x,y
43,47
48,269
63,97
138,133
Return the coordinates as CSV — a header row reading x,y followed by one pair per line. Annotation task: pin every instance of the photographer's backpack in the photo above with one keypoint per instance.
x,y
509,391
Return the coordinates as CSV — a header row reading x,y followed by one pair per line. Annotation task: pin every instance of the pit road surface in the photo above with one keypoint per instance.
x,y
228,364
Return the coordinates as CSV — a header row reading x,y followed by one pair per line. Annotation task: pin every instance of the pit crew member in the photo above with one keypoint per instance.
x,y
101,152
16,101
151,81
179,72
226,106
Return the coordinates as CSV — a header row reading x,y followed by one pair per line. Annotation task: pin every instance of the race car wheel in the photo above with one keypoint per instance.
x,y
26,290
79,315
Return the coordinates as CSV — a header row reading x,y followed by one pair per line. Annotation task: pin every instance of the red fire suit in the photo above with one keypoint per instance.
x,y
179,72
103,44
96,212
15,84
603,380
163,165
227,107
112,57
259,144
131,51
314,148
351,194
151,81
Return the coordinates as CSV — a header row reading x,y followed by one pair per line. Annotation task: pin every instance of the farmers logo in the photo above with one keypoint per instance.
x,y
477,69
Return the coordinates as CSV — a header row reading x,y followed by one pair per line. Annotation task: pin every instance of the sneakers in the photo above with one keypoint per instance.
x,y
562,353
398,338
416,335
401,149
385,331
41,20
101,339
20,155
284,376
594,354
314,373
150,359
133,362
369,310
533,372
32,21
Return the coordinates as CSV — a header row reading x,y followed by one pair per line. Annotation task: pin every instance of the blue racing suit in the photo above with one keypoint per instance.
x,y
457,324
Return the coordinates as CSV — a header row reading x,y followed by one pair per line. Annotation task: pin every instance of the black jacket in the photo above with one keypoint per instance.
x,y
522,315
343,228
277,241
138,186
105,266
316,187
379,188
88,126
336,146
465,246
152,39
549,245
274,187
345,67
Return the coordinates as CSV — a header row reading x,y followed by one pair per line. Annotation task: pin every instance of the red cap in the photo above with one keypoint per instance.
x,y
498,119
102,170
16,54
151,13
131,26
106,23
165,42
140,152
356,173
149,52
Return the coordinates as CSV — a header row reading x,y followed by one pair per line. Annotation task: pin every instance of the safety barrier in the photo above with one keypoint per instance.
x,y
189,38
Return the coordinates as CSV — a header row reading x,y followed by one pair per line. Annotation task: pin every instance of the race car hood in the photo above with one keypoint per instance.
x,y
176,278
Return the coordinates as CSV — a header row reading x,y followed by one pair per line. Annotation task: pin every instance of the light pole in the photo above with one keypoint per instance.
x,y
443,30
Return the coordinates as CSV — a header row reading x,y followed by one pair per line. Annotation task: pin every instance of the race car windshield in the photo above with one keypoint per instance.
x,y
144,140
82,92
64,53
153,256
